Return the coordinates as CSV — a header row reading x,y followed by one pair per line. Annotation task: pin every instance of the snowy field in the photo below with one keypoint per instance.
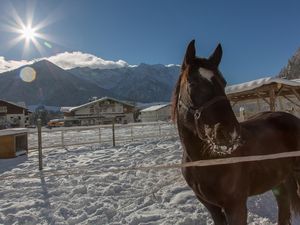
x,y
82,185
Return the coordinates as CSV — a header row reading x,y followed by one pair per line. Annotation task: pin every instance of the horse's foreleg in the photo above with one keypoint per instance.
x,y
283,202
216,213
236,213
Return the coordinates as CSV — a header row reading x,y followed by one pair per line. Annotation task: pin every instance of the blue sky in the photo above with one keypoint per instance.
x,y
258,37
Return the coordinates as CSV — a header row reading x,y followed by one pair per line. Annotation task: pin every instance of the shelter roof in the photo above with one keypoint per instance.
x,y
254,84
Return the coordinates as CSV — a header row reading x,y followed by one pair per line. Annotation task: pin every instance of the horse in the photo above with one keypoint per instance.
x,y
209,129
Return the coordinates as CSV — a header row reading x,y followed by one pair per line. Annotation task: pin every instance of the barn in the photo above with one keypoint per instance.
x,y
156,113
13,115
99,111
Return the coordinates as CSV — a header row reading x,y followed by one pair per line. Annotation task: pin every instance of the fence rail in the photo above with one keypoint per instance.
x,y
71,136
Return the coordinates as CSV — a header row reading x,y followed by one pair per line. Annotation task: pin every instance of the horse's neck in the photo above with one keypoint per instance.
x,y
194,147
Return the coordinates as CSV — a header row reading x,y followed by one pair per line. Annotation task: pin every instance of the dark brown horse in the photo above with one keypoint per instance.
x,y
209,129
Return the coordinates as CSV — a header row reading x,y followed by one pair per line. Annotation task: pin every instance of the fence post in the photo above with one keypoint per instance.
x,y
131,132
62,139
113,132
39,126
159,127
99,134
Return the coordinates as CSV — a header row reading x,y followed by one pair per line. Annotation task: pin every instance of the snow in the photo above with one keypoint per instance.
x,y
78,186
13,131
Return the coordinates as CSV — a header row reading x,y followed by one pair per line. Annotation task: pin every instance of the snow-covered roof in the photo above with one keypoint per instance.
x,y
71,109
154,108
13,131
65,109
247,86
20,105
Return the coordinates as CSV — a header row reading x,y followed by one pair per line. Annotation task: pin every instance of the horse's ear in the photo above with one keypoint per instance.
x,y
216,57
190,54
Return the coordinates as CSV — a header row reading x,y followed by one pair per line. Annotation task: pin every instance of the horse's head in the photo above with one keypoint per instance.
x,y
200,103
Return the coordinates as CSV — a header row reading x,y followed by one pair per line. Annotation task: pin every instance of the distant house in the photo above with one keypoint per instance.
x,y
156,113
99,111
13,115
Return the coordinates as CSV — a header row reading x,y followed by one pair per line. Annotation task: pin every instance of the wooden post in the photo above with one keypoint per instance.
x,y
39,126
272,100
99,134
131,132
280,103
113,132
159,129
62,139
258,105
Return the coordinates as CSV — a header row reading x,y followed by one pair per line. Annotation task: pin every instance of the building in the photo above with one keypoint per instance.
x,y
99,111
13,115
156,113
265,94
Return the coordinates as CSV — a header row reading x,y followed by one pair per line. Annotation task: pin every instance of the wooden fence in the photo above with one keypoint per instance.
x,y
118,133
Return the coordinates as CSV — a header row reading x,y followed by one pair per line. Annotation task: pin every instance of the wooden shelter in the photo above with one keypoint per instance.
x,y
268,89
13,142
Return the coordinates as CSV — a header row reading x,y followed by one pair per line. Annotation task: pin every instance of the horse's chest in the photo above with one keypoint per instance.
x,y
214,185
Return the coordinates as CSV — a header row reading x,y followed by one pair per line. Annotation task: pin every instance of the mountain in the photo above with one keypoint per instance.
x,y
292,69
52,86
58,87
143,83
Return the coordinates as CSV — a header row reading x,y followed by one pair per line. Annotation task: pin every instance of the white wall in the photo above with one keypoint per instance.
x,y
162,114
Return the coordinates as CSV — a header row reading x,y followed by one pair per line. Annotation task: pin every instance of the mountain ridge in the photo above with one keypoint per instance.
x,y
58,87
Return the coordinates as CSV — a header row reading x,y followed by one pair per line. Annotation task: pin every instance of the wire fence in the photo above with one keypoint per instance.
x,y
117,133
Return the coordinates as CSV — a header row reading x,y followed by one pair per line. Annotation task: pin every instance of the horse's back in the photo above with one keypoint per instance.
x,y
276,120
271,131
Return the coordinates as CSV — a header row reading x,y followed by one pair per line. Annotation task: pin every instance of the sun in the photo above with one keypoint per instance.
x,y
28,30
28,33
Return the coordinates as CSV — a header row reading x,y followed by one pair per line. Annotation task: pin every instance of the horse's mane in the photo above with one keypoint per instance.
x,y
175,96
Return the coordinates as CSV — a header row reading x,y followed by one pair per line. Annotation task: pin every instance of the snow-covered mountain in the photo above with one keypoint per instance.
x,y
144,83
58,87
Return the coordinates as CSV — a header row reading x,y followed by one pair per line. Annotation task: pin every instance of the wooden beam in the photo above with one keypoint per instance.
x,y
296,93
259,95
292,101
279,91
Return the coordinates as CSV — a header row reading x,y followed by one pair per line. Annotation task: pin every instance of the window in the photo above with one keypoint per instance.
x,y
3,109
92,110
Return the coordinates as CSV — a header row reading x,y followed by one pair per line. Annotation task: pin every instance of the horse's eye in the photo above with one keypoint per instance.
x,y
193,84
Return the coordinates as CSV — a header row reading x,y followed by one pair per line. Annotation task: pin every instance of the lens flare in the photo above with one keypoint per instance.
x,y
47,44
27,74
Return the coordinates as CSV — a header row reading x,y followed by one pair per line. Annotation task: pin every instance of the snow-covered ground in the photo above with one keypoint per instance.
x,y
79,186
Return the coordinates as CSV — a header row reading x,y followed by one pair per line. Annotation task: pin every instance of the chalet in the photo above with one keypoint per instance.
x,y
156,113
13,115
99,111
